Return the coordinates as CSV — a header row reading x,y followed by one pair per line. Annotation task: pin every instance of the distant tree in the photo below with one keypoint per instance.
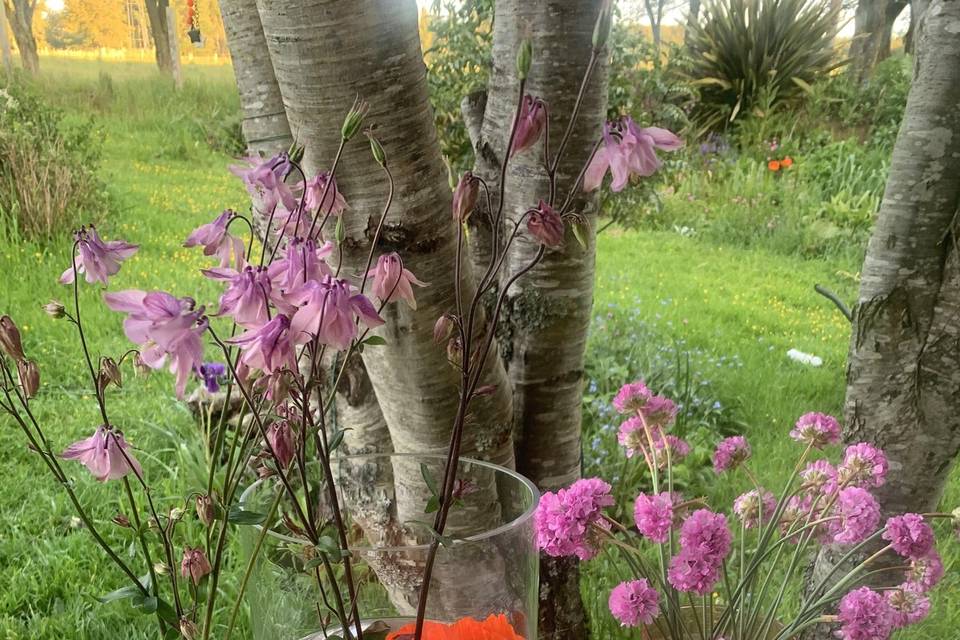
x,y
873,32
20,16
96,23
159,31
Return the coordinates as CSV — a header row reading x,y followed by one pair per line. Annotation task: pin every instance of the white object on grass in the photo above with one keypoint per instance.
x,y
804,358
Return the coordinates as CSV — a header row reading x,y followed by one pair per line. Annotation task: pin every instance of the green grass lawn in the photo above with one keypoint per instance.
x,y
164,179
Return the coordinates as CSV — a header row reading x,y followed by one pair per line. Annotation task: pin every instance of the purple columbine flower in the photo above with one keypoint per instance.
x,y
269,347
216,241
163,326
330,309
247,298
816,430
628,150
909,535
391,281
212,373
96,259
304,261
546,225
334,203
865,615
530,123
264,180
106,454
634,603
730,453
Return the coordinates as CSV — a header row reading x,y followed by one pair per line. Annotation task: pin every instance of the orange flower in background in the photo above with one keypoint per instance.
x,y
786,162
496,627
773,165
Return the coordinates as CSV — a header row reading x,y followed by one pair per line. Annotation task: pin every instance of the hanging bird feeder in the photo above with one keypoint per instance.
x,y
193,24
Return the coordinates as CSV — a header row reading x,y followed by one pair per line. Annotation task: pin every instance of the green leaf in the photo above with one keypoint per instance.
x,y
803,84
433,505
337,439
147,604
120,594
374,341
428,478
239,515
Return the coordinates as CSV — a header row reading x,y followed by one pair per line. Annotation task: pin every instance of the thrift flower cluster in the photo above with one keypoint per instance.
x,y
827,503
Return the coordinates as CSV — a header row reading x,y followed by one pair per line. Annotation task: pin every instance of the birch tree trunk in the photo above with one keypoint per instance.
x,y
543,331
873,30
159,31
903,376
265,127
20,15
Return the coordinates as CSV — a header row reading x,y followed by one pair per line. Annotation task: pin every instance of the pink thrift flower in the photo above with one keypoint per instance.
x,y
333,203
819,477
678,450
627,150
264,180
632,397
731,453
706,533
247,298
659,410
330,310
163,326
653,516
216,241
634,603
816,430
863,465
858,514
926,572
691,571
465,196
530,123
392,282
795,515
755,507
909,605
865,615
633,436
282,441
96,259
909,535
563,519
545,224
106,454
269,347
194,564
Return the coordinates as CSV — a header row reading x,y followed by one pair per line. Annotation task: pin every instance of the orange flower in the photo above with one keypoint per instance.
x,y
496,627
786,162
773,165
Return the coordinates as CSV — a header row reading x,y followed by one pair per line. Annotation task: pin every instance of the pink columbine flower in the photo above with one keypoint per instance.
x,y
731,453
909,535
926,572
863,465
816,430
334,203
632,397
247,298
281,439
865,615
628,150
194,564
563,519
264,180
634,603
530,123
706,533
106,454
163,326
819,476
330,309
653,516
909,605
304,261
269,347
216,241
755,507
465,196
691,571
858,514
96,259
392,282
546,225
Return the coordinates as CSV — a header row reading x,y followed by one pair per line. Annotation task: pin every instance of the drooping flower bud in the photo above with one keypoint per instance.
x,y
206,512
55,309
545,225
10,338
280,438
524,58
110,373
29,376
194,564
354,119
465,196
443,329
530,122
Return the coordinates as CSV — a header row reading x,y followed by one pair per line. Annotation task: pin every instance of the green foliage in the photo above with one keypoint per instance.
x,y
48,167
749,55
458,63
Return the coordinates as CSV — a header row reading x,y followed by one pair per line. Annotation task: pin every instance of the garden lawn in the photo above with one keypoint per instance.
x,y
741,306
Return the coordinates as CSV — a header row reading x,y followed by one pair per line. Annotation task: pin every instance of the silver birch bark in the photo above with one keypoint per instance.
x,y
265,127
903,375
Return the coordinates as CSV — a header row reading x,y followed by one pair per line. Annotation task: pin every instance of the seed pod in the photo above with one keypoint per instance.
x,y
10,338
29,376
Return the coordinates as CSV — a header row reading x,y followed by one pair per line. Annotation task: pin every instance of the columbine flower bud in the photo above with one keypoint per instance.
x,y
194,564
140,367
545,225
188,629
524,58
10,338
55,309
161,568
465,196
376,148
121,521
530,123
601,29
280,437
176,513
29,376
455,351
206,511
354,119
110,372
443,329
295,153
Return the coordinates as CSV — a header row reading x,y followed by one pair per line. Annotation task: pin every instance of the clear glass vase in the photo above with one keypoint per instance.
x,y
486,569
